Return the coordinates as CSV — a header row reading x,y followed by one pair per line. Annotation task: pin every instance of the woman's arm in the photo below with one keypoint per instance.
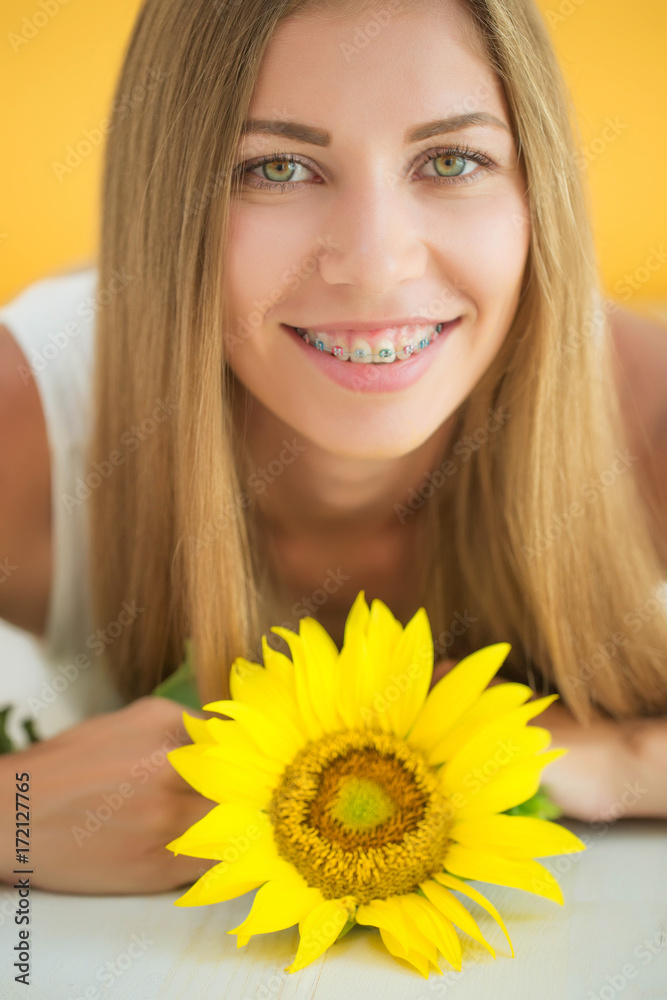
x,y
640,362
620,769
25,494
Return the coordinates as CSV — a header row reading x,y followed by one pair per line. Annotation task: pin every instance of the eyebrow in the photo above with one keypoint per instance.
x,y
321,137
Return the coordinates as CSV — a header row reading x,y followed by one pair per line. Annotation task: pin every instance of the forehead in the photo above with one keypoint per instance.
x,y
355,68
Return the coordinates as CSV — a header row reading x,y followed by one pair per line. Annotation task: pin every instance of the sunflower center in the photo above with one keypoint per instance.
x,y
361,813
361,803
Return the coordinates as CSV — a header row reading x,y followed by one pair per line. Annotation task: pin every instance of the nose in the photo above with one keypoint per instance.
x,y
375,239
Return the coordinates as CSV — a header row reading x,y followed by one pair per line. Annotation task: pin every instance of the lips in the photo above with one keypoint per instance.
x,y
371,376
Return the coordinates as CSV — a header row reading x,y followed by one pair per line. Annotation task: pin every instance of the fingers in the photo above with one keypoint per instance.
x,y
176,710
164,718
182,869
158,871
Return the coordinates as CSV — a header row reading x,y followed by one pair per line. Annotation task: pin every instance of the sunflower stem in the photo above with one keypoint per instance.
x,y
348,927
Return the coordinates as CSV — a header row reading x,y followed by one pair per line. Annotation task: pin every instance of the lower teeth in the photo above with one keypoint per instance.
x,y
360,353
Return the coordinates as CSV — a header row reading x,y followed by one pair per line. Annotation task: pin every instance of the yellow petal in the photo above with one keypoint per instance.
x,y
319,929
354,667
357,619
451,882
277,905
454,910
208,770
412,664
413,936
378,914
382,633
236,744
321,658
516,836
227,832
274,739
222,894
455,693
364,665
279,666
434,926
510,787
484,866
199,730
489,753
254,685
492,703
378,687
399,950
304,694
228,880
384,671
407,941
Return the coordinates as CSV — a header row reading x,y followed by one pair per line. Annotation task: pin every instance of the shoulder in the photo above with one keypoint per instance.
x,y
640,357
21,417
640,349
15,390
25,498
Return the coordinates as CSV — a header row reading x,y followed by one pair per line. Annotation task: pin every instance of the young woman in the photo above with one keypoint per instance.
x,y
349,335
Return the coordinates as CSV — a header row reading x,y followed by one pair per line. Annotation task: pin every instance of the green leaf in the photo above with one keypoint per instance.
x,y
539,805
181,686
6,745
29,727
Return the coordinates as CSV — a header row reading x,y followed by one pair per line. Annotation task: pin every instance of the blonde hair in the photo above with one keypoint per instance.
x,y
172,528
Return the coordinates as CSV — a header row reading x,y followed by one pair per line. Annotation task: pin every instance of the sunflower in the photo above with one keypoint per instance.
x,y
349,793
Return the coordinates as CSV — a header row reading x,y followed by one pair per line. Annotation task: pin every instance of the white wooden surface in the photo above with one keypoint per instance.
x,y
610,938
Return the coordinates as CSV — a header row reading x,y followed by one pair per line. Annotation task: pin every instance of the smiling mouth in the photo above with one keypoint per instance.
x,y
358,349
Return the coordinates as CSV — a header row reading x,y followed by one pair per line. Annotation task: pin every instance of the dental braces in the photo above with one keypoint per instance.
x,y
360,352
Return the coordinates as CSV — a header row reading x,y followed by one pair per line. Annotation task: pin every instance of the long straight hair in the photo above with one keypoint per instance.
x,y
510,533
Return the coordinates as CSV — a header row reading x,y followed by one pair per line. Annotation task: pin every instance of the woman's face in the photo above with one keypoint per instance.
x,y
372,224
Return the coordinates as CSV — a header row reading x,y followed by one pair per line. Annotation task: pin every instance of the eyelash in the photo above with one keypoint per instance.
x,y
477,156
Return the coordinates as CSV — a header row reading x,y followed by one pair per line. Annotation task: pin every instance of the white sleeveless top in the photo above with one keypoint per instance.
x,y
53,322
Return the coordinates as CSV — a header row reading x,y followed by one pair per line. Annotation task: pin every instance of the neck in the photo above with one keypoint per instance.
x,y
316,491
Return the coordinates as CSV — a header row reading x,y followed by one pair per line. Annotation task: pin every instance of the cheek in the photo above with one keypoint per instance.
x,y
263,268
263,272
490,246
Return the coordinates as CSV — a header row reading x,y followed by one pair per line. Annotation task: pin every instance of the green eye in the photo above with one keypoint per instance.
x,y
279,170
453,165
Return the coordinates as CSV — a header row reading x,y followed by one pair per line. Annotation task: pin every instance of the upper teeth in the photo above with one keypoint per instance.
x,y
400,342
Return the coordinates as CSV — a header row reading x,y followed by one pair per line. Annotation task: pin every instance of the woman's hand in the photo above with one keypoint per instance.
x,y
104,802
583,782
611,769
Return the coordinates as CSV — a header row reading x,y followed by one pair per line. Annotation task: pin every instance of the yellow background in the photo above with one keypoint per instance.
x,y
60,82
